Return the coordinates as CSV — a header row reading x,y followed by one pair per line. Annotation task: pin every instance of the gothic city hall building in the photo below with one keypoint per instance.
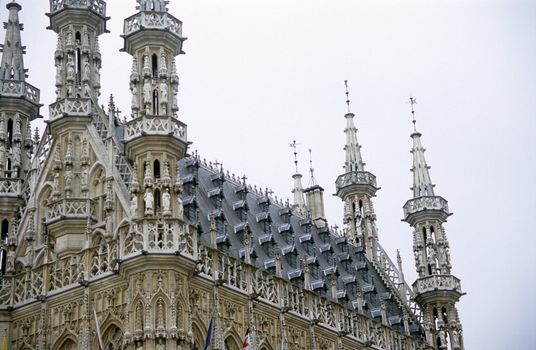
x,y
114,235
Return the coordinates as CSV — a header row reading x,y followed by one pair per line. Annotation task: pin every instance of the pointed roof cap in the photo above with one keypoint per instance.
x,y
12,67
422,183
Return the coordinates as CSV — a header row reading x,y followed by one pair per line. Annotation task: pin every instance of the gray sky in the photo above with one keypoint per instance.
x,y
256,74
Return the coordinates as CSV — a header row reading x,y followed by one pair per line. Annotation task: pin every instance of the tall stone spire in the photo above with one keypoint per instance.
x,y
356,187
12,59
436,290
19,105
354,161
422,184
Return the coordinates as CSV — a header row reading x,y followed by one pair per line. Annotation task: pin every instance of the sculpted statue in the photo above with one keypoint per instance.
x,y
87,71
149,201
455,339
166,202
442,339
163,92
133,204
134,90
147,91
180,208
70,67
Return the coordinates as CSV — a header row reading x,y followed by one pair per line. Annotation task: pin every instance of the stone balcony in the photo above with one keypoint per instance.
x,y
9,186
69,208
98,6
437,283
76,107
362,179
152,20
14,88
427,205
155,125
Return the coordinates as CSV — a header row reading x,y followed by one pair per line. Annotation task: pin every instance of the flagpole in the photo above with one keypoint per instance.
x,y
99,336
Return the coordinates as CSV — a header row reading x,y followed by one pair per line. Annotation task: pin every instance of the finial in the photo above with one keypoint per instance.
x,y
294,145
413,102
347,95
311,169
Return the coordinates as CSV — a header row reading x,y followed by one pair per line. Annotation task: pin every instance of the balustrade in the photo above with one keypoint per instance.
x,y
155,125
14,88
71,107
152,20
98,6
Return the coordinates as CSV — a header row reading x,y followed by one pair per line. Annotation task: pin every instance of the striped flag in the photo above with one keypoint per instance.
x,y
209,335
97,325
247,341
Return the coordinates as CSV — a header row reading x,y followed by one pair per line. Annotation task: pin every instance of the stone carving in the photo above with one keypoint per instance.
x,y
166,202
149,202
70,68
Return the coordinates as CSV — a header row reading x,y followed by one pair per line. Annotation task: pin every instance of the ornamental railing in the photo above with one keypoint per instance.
x,y
71,107
10,186
437,282
98,6
155,125
152,20
14,88
69,208
425,203
355,178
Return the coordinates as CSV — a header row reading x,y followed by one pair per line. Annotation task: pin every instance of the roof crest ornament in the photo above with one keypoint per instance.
x,y
347,95
413,102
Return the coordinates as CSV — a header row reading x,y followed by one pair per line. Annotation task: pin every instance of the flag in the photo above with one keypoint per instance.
x,y
209,335
247,341
97,325
4,344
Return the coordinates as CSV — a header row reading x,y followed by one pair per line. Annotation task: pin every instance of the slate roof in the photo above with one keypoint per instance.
x,y
272,226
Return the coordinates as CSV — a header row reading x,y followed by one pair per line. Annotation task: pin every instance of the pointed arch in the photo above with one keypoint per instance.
x,y
66,341
232,340
264,345
199,333
112,335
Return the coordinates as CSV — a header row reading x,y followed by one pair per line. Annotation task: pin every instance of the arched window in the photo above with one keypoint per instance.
x,y
78,57
154,61
9,140
8,167
230,344
113,338
157,200
3,253
156,169
68,344
155,102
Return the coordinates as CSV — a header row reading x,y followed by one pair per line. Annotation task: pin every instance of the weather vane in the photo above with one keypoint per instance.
x,y
413,102
347,95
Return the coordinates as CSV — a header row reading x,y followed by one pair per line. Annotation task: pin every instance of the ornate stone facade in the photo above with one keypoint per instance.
x,y
113,223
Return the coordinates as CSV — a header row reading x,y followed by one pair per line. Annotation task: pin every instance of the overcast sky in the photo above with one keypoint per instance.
x,y
256,74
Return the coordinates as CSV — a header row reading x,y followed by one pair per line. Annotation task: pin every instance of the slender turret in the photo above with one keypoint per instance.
x,y
298,206
19,105
356,187
436,289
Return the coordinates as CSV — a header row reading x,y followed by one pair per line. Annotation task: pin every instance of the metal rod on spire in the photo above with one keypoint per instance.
x,y
294,145
347,95
311,169
413,102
